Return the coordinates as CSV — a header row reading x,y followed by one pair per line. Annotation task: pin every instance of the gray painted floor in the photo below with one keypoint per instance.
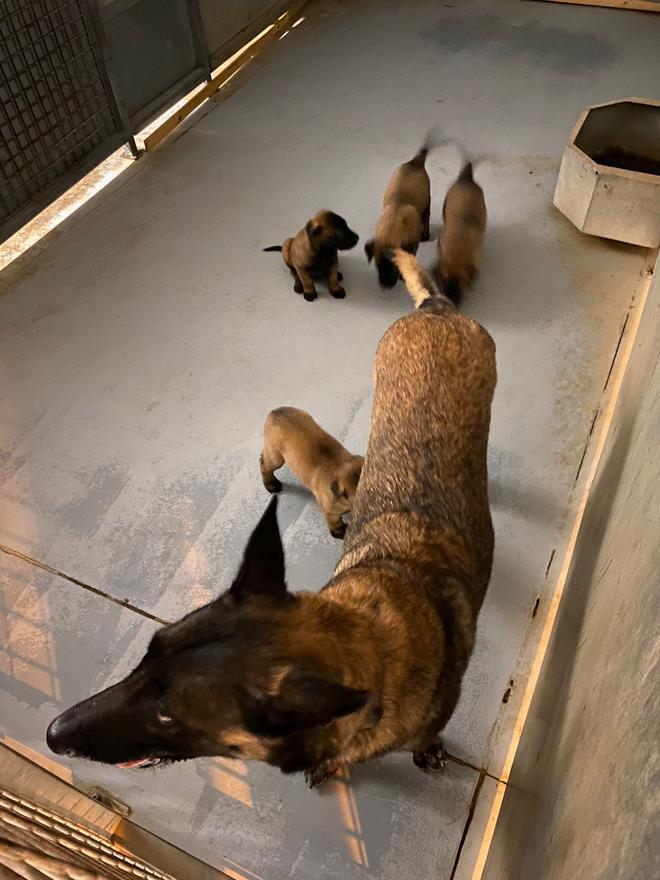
x,y
143,347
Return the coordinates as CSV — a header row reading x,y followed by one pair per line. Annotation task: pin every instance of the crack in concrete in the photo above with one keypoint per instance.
x,y
10,551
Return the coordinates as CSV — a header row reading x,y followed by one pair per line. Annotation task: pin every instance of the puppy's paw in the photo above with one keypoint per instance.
x,y
273,486
339,531
310,297
316,776
433,757
339,293
297,287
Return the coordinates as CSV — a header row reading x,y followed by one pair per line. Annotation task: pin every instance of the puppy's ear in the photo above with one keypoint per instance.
x,y
369,250
313,228
304,700
262,569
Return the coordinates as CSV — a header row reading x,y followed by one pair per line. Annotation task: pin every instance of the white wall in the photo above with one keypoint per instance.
x,y
583,796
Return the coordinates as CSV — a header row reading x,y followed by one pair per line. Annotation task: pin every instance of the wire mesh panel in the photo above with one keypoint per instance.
x,y
57,111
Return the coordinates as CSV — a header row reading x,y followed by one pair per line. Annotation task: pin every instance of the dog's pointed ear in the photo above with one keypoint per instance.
x,y
369,250
262,569
304,700
312,228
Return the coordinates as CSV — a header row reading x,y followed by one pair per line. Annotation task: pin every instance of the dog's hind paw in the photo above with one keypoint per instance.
x,y
316,776
340,293
274,486
433,757
339,531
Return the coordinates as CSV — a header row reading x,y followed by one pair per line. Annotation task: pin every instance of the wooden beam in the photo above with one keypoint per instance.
x,y
638,5
225,72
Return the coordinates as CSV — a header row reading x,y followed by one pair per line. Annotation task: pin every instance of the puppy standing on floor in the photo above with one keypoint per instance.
x,y
312,253
373,663
462,237
405,217
321,463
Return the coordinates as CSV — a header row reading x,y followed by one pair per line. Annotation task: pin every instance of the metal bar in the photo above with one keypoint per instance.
x,y
199,41
57,113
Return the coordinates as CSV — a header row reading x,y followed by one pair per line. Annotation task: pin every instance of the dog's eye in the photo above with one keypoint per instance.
x,y
162,715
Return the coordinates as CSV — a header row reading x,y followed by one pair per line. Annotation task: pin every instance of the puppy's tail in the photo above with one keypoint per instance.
x,y
470,161
420,285
274,247
467,173
434,138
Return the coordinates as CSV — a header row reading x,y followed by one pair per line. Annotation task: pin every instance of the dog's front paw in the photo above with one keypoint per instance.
x,y
297,287
310,297
273,486
433,757
339,293
318,775
339,531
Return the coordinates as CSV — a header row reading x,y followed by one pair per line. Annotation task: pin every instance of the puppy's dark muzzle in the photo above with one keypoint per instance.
x,y
388,274
348,241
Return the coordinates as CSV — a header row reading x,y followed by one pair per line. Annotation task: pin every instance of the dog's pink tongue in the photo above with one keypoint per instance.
x,y
129,765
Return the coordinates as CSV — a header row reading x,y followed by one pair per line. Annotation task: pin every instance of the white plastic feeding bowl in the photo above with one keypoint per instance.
x,y
609,179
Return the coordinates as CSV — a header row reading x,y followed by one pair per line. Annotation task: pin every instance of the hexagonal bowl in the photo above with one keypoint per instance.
x,y
609,179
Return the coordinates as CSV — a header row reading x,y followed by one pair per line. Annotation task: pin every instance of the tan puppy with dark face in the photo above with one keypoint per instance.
x,y
462,237
405,218
373,663
312,253
321,463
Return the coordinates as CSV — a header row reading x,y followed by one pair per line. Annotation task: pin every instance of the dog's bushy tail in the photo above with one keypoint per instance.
x,y
434,138
467,172
420,285
274,247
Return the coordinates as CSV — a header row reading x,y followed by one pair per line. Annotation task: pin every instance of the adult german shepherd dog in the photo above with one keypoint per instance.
x,y
373,663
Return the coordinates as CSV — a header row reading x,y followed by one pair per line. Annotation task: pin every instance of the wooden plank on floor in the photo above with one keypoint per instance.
x,y
638,5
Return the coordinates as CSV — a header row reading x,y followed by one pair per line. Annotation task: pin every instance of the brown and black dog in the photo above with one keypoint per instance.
x,y
406,214
374,662
321,463
463,229
312,253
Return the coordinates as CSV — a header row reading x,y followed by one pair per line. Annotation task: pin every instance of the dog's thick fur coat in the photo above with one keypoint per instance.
x,y
312,253
405,218
374,662
462,237
321,463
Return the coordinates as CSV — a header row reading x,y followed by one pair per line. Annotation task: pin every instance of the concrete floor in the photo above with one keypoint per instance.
x,y
143,346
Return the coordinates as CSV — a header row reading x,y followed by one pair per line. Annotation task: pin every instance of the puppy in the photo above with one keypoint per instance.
x,y
330,472
312,253
405,218
373,663
461,240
